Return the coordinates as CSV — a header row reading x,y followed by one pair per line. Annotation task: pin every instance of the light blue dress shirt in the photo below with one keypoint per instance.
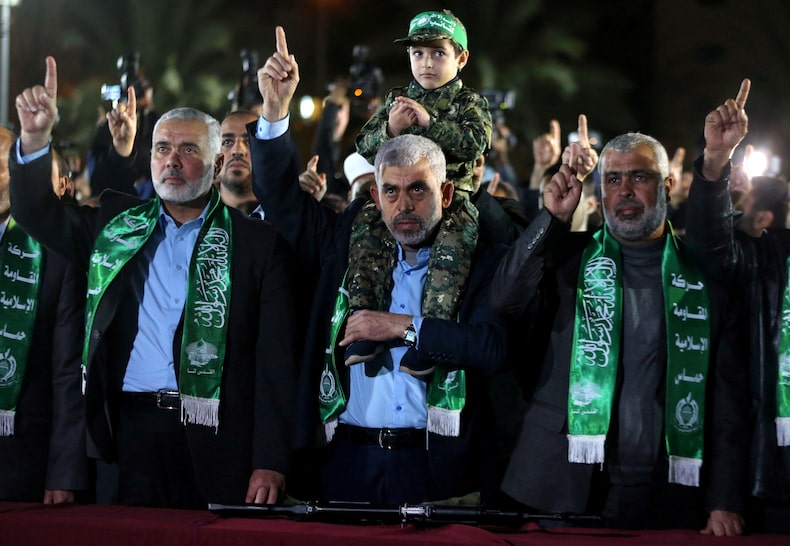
x,y
151,362
392,398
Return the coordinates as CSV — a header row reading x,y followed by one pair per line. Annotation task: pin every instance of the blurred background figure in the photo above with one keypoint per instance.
x,y
764,206
360,174
102,160
245,96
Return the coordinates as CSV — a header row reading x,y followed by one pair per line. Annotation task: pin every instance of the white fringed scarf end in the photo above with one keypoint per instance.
x,y
330,427
7,422
200,411
444,422
684,470
783,431
587,449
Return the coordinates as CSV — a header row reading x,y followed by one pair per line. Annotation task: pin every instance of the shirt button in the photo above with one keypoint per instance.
x,y
178,300
402,306
398,408
179,268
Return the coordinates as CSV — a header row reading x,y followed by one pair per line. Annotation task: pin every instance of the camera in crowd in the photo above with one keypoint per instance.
x,y
499,101
129,75
366,78
246,95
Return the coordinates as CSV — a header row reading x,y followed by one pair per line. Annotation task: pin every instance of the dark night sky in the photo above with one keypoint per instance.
x,y
679,58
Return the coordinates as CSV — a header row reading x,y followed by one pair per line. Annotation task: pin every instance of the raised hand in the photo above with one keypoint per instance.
x,y
547,147
122,122
561,194
581,158
725,127
38,110
312,181
277,79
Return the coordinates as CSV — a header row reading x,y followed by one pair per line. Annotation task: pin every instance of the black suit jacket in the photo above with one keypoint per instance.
x,y
47,450
537,281
257,396
476,342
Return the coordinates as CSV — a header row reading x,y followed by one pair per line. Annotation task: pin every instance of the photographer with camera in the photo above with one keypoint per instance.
x,y
351,98
107,169
246,95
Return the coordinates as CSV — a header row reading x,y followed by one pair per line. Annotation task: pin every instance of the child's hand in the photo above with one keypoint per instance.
x,y
420,114
401,118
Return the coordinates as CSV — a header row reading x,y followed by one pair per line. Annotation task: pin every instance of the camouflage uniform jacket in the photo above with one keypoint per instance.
x,y
460,124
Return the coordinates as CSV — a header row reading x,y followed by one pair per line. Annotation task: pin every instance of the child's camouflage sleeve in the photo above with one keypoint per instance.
x,y
462,127
374,133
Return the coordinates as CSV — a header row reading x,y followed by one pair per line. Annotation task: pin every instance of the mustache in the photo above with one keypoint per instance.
x,y
172,173
240,161
405,217
624,204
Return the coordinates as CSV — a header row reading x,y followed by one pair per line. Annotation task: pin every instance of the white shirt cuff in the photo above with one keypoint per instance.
x,y
269,130
29,158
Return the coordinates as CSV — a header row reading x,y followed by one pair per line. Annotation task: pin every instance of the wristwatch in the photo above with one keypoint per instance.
x,y
410,336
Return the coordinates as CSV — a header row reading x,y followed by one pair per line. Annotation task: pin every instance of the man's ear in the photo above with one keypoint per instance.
x,y
448,189
218,162
374,193
63,184
669,183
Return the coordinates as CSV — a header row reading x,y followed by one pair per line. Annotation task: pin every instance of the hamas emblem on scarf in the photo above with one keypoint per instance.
x,y
7,369
328,388
585,393
687,414
201,353
450,383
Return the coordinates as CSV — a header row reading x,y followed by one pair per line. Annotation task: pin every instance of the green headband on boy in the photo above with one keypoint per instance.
x,y
435,25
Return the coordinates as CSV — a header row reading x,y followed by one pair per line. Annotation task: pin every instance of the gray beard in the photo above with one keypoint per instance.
x,y
184,194
637,230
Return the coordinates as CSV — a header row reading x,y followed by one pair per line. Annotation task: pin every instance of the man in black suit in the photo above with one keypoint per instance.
x,y
189,359
391,440
639,407
42,437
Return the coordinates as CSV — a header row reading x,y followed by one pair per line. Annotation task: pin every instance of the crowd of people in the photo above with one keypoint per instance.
x,y
601,338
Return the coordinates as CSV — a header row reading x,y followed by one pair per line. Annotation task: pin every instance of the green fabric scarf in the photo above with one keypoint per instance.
x,y
783,371
372,256
21,260
207,306
596,354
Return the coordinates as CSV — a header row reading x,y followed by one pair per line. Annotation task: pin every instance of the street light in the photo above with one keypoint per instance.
x,y
5,48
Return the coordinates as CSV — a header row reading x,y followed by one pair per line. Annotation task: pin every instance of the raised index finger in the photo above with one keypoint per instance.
x,y
583,141
51,78
743,93
282,45
554,130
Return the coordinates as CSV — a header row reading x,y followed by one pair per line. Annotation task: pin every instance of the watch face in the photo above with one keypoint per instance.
x,y
410,336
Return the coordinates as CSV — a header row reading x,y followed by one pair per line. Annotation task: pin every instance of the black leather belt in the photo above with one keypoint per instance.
x,y
167,400
385,438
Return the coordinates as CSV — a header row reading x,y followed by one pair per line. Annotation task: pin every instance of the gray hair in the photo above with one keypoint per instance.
x,y
193,114
408,150
628,142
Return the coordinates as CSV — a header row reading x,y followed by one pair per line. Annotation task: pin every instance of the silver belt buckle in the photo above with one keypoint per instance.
x,y
165,405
